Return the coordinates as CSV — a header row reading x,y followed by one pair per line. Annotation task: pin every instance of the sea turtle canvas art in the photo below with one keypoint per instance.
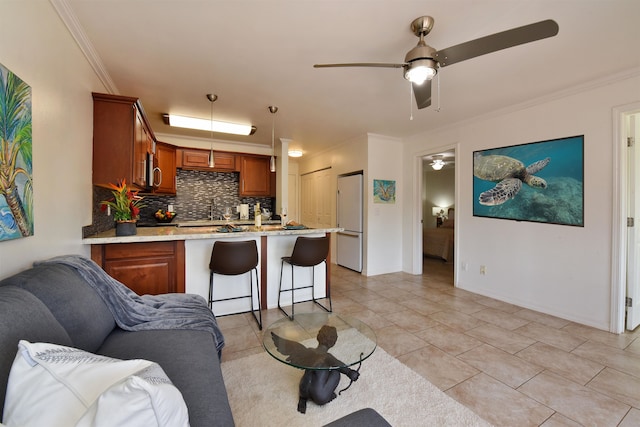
x,y
536,182
509,173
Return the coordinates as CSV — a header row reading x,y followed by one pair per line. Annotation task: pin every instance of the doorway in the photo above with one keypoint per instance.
x,y
437,189
625,276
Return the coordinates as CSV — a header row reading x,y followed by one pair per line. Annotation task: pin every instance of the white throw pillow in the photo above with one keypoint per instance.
x,y
54,385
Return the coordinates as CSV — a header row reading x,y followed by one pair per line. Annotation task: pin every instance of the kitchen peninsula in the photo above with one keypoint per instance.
x,y
176,259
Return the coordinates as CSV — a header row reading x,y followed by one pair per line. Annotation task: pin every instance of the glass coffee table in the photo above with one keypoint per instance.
x,y
324,345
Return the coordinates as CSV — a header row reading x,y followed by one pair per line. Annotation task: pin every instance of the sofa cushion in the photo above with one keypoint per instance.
x,y
78,308
59,385
189,358
23,316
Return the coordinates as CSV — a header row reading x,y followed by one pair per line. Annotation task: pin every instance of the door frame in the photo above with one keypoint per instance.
x,y
619,217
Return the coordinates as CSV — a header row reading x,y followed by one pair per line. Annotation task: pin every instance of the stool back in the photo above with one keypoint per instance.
x,y
309,251
233,258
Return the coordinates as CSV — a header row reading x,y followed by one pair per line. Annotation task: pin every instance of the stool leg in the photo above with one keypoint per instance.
x,y
313,292
255,270
280,292
293,296
211,291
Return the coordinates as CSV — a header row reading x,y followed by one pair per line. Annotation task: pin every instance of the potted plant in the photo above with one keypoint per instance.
x,y
125,205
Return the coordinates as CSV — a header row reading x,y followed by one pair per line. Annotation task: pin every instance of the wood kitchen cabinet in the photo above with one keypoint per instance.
x,y
255,176
164,174
123,142
145,268
197,159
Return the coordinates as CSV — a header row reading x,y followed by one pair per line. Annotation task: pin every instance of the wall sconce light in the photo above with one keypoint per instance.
x,y
295,153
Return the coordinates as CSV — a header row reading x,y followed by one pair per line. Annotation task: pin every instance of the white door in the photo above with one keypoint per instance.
x,y
633,233
316,199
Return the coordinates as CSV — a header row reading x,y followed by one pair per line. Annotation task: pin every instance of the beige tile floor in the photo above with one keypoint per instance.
x,y
510,365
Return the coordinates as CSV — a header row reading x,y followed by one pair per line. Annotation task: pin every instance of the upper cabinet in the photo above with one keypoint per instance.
x,y
164,172
197,159
255,176
123,143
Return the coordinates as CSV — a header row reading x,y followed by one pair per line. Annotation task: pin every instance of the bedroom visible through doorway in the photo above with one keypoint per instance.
x,y
438,214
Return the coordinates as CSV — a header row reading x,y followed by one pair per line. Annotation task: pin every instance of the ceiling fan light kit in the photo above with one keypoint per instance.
x,y
422,62
420,71
437,164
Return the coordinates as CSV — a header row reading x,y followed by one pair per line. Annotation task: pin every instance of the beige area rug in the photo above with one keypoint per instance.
x,y
264,392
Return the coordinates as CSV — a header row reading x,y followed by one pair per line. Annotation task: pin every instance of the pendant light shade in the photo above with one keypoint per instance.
x,y
272,164
212,161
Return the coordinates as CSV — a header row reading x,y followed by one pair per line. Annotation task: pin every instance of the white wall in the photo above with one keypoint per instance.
x,y
560,270
384,221
37,47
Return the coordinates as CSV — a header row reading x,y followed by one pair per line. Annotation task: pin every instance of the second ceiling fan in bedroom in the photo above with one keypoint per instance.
x,y
422,62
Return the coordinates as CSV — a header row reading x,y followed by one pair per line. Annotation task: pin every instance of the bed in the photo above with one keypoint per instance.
x,y
438,242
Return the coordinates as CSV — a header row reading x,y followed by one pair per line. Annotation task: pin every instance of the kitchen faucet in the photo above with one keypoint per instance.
x,y
212,208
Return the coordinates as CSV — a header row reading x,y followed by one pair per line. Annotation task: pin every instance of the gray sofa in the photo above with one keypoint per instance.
x,y
53,303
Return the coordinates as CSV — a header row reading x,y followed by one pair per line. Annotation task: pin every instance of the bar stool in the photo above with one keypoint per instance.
x,y
307,252
232,259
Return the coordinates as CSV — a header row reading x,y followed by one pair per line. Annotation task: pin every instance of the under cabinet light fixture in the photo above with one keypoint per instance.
x,y
208,125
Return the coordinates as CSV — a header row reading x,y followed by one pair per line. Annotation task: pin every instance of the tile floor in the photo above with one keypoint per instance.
x,y
510,365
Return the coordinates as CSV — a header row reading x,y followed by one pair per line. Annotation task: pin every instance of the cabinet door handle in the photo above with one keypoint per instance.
x,y
159,176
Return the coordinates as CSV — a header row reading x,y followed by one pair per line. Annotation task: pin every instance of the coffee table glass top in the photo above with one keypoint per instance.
x,y
296,341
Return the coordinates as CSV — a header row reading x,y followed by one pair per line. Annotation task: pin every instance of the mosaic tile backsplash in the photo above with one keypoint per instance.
x,y
198,195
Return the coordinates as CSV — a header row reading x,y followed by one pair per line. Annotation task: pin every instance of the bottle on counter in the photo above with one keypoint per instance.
x,y
257,215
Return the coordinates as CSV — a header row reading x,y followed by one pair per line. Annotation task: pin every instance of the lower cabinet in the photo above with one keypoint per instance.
x,y
145,268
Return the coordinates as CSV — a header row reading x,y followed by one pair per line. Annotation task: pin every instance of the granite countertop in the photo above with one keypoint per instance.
x,y
171,233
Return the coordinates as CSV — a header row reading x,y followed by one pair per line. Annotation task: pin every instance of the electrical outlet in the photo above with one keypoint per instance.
x,y
483,270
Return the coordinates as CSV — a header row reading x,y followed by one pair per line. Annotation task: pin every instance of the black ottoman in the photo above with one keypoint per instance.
x,y
363,418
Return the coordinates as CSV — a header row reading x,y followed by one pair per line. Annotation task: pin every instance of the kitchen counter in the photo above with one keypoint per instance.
x,y
182,262
172,233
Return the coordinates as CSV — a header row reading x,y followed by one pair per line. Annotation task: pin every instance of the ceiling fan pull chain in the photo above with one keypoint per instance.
x,y
410,101
438,77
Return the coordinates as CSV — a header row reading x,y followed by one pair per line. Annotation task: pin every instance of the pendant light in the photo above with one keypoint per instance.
x,y
212,161
272,164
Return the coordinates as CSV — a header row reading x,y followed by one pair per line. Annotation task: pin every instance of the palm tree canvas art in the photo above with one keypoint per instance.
x,y
16,172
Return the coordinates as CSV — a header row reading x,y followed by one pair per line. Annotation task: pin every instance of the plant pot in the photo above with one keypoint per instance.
x,y
126,228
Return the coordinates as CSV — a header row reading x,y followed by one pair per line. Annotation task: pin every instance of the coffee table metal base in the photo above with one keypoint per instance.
x,y
290,342
320,386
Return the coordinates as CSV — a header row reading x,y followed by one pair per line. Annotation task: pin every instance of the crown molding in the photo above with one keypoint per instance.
x,y
69,19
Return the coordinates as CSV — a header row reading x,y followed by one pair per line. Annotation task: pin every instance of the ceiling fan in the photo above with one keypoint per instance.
x,y
422,62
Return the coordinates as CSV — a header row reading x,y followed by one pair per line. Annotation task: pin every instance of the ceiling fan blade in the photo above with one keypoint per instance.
x,y
498,41
360,64
422,93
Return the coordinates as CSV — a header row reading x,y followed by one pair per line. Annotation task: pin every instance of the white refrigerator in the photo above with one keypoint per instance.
x,y
349,215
